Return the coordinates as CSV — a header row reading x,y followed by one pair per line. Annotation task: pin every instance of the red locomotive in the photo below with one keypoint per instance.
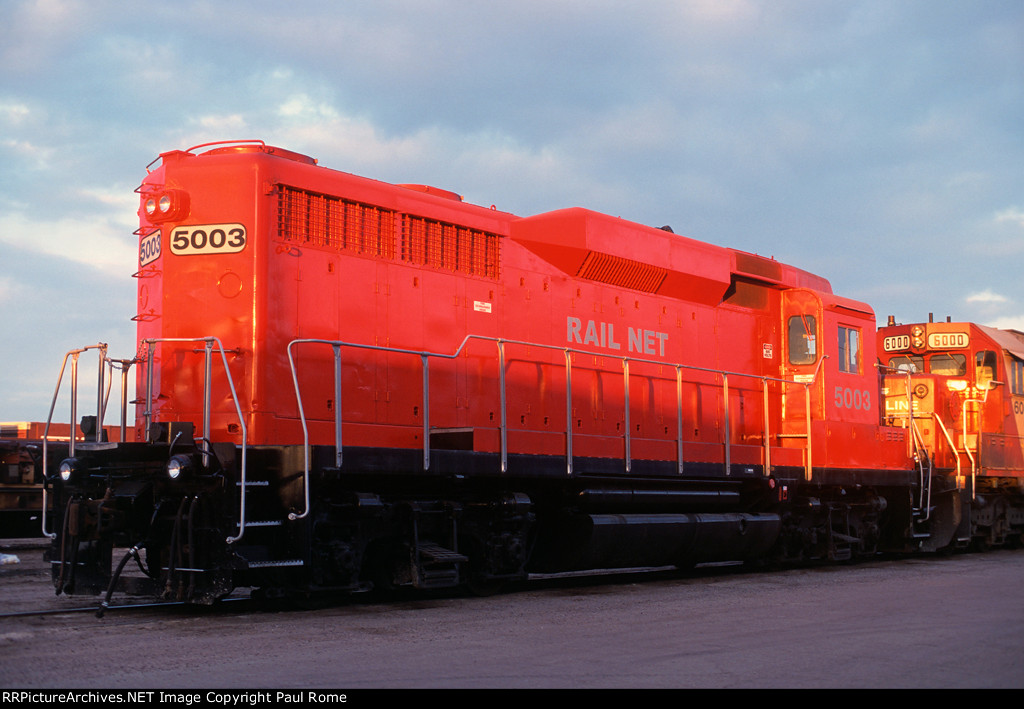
x,y
346,384
958,388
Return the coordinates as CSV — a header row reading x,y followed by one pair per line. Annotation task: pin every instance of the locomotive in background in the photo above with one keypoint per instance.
x,y
344,384
959,389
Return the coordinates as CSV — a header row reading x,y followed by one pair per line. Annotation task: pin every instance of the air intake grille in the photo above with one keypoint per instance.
x,y
624,272
758,266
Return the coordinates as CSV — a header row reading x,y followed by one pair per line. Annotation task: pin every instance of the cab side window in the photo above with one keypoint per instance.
x,y
1016,372
849,350
802,339
984,367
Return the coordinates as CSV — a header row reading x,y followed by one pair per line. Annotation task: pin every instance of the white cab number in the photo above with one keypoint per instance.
x,y
208,239
149,248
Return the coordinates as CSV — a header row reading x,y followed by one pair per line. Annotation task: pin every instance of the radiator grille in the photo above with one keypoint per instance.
x,y
322,220
450,247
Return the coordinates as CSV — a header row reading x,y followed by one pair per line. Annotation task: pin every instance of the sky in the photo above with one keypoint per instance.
x,y
878,143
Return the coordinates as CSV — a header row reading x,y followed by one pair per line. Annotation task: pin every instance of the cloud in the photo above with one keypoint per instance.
x,y
14,113
8,292
1009,322
986,296
37,31
99,242
1012,216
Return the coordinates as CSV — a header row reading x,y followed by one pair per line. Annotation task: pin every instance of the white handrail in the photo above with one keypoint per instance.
x,y
73,354
501,343
207,386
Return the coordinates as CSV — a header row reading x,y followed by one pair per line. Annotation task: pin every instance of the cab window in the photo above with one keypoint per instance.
x,y
1016,373
907,364
951,364
984,367
802,342
849,350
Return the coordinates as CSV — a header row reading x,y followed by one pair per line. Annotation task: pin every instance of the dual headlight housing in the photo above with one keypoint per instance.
x,y
165,205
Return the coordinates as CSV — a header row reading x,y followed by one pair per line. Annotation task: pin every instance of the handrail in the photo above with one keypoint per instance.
x,y
125,366
921,455
73,354
975,464
934,415
207,387
568,352
915,441
949,440
808,470
967,448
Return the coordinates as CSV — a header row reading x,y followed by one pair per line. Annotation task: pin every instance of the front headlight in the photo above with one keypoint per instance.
x,y
166,205
178,466
69,468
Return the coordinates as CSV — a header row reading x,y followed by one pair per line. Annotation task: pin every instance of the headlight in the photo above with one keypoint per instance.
x,y
166,205
69,468
178,465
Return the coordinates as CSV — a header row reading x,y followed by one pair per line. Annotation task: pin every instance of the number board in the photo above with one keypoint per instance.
x,y
948,340
895,343
149,248
208,239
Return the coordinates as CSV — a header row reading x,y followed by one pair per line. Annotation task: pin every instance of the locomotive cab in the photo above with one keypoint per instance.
x,y
847,496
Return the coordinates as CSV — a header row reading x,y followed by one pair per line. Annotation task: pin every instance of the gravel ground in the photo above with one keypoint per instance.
x,y
926,622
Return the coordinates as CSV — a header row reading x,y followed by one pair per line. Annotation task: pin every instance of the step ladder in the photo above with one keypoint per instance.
x,y
261,549
437,566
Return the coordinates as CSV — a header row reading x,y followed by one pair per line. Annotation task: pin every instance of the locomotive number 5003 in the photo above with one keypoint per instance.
x,y
847,398
208,239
